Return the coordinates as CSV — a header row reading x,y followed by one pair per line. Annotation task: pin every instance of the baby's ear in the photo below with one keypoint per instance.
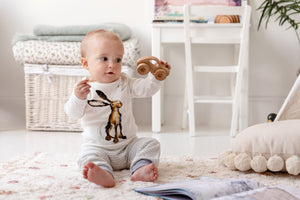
x,y
84,63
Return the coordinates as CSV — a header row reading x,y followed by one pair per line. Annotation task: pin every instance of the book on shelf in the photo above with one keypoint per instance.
x,y
171,11
204,188
177,18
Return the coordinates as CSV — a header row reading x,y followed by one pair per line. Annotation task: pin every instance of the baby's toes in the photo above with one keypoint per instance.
x,y
84,173
155,171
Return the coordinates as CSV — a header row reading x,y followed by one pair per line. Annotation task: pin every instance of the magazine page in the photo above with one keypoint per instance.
x,y
277,192
200,188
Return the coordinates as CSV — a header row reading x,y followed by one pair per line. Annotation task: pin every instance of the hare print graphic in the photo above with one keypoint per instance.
x,y
114,120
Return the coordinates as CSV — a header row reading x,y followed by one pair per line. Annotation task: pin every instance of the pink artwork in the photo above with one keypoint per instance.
x,y
166,10
197,2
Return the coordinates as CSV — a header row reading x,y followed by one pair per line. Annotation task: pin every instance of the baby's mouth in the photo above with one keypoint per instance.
x,y
110,73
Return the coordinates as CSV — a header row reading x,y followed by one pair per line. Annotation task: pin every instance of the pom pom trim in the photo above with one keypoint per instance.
x,y
275,163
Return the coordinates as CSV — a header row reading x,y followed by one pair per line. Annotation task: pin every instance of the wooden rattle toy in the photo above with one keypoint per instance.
x,y
144,66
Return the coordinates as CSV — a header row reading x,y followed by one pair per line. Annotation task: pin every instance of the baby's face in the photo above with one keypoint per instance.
x,y
104,59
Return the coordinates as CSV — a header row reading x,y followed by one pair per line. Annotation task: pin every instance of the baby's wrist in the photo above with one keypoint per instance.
x,y
80,97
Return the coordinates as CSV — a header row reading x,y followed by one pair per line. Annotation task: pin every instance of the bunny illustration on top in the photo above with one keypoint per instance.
x,y
114,120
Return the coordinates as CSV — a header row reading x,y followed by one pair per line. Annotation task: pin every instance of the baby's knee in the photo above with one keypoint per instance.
x,y
152,142
152,150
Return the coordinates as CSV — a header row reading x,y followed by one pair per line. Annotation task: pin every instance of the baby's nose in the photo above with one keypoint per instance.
x,y
111,64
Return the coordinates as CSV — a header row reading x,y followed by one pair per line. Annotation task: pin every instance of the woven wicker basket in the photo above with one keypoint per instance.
x,y
46,95
47,89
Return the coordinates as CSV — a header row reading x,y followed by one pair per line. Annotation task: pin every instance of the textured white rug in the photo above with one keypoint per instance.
x,y
45,176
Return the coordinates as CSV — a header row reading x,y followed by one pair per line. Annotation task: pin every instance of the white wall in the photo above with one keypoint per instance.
x,y
274,56
274,63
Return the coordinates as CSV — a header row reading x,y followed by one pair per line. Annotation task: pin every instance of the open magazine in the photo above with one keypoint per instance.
x,y
204,188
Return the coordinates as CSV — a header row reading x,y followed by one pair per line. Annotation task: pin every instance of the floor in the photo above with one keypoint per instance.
x,y
207,142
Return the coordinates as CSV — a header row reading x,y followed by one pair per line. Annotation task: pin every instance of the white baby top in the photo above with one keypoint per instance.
x,y
108,108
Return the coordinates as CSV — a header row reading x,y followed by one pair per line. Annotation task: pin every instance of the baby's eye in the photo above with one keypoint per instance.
x,y
118,60
104,59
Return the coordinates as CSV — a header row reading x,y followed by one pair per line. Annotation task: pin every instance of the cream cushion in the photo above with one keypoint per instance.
x,y
274,146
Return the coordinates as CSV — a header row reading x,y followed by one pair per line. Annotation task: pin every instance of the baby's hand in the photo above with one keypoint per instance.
x,y
82,89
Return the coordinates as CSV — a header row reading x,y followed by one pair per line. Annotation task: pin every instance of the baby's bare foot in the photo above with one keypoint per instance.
x,y
95,174
147,173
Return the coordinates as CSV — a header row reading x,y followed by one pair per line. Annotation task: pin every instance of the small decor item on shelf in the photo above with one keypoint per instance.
x,y
226,19
144,66
271,117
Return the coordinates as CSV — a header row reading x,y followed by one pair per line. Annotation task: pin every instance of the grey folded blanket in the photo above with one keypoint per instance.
x,y
121,29
58,38
73,33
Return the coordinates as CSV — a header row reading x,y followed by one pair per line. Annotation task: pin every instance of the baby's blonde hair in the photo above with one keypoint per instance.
x,y
101,33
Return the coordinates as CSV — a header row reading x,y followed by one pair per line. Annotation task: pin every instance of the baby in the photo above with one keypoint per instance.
x,y
104,104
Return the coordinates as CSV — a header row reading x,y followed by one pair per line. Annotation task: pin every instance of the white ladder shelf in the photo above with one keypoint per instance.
x,y
235,34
